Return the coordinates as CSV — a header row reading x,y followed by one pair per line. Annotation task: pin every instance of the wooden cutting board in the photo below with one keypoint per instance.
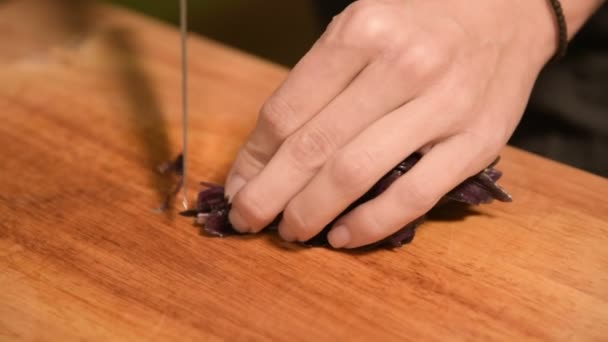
x,y
90,106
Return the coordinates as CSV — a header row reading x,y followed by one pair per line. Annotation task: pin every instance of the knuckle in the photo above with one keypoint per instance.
x,y
299,224
352,169
368,22
252,157
423,59
310,148
368,225
249,207
415,197
277,115
374,29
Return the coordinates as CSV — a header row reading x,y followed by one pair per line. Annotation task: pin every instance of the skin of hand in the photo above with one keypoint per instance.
x,y
386,79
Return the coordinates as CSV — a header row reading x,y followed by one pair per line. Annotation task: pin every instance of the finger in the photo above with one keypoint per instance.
x,y
323,73
412,195
354,169
380,88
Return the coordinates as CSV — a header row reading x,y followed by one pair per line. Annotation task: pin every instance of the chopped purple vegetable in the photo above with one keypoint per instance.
x,y
212,207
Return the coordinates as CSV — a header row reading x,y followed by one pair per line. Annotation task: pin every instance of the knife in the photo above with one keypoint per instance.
x,y
184,36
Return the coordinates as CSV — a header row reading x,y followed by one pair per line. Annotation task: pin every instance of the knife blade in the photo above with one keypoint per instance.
x,y
184,45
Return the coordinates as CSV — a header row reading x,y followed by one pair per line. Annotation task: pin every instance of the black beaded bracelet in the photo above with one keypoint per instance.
x,y
563,30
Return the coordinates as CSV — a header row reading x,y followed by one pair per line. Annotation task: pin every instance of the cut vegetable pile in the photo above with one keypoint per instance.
x,y
212,207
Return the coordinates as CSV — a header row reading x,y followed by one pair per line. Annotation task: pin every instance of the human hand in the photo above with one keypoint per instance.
x,y
388,78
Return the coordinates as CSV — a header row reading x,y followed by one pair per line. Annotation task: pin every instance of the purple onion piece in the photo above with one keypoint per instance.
x,y
494,174
217,224
403,236
212,206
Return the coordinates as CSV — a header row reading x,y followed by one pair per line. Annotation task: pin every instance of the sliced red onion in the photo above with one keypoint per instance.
x,y
212,206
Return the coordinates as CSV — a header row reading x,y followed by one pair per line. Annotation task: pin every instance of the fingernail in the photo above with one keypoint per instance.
x,y
238,222
233,185
285,233
339,236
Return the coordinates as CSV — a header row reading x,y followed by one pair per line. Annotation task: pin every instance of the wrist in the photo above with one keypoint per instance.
x,y
524,29
540,24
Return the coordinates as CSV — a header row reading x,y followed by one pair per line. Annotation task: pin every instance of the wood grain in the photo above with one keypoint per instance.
x,y
87,110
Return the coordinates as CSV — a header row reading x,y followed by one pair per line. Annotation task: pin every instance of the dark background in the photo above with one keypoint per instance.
x,y
278,30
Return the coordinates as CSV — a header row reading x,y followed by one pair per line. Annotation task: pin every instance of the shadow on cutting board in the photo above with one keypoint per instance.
x,y
145,116
67,25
